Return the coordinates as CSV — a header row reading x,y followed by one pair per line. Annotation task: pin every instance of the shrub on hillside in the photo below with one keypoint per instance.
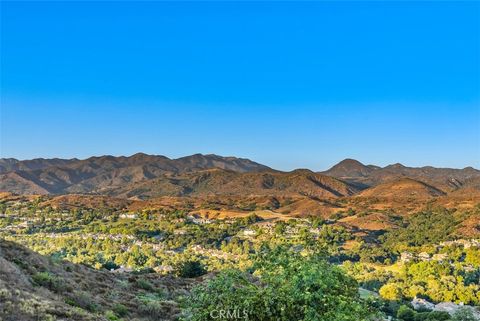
x,y
82,300
49,281
464,314
432,316
151,305
404,313
190,269
120,310
144,284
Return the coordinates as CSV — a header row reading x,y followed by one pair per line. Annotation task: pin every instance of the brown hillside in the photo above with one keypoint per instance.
x,y
402,188
221,182
14,182
34,287
106,172
445,179
349,168
72,201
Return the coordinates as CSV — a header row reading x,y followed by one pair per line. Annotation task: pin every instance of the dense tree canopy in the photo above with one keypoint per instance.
x,y
284,286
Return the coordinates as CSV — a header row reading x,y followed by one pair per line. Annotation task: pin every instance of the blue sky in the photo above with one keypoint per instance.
x,y
286,84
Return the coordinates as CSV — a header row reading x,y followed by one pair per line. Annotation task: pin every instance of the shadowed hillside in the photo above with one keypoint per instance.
x,y
445,179
402,188
143,176
220,182
34,287
97,173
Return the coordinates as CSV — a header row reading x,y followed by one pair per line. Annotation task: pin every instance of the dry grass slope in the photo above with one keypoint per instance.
x,y
34,287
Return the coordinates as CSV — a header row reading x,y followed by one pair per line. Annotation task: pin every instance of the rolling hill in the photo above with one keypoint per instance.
x,y
36,287
350,168
220,182
94,174
402,188
444,179
143,176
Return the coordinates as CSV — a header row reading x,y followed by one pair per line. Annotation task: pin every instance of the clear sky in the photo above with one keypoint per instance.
x,y
285,84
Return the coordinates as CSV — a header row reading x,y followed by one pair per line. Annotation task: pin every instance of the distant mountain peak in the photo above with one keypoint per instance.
x,y
302,171
350,161
349,168
140,154
160,175
100,173
396,166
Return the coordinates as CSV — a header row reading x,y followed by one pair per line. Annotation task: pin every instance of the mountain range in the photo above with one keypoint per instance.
x,y
143,176
364,176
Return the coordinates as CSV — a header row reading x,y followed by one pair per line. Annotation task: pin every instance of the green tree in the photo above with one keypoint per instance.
x,y
405,313
284,286
391,292
190,269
